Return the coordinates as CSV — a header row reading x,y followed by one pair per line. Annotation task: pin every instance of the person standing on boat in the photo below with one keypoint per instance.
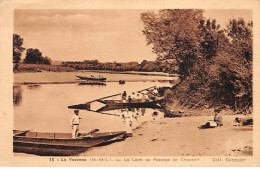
x,y
143,98
155,91
75,120
129,99
124,95
133,97
138,97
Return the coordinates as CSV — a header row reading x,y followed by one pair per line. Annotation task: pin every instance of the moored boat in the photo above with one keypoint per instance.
x,y
137,104
92,83
154,101
62,144
92,78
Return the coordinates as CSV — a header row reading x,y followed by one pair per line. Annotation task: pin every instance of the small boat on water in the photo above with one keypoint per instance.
x,y
61,144
92,78
93,83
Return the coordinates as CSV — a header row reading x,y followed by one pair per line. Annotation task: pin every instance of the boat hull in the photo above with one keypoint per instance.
x,y
91,78
93,83
127,104
61,143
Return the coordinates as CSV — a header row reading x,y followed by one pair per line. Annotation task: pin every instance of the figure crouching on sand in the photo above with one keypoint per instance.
x,y
218,121
218,117
75,120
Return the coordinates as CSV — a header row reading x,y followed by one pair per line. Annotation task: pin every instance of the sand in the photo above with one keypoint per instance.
x,y
181,137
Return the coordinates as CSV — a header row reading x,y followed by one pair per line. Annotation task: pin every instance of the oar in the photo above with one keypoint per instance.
x,y
117,95
86,105
92,131
145,89
105,97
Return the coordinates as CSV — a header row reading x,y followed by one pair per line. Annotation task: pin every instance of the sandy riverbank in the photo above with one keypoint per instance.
x,y
181,137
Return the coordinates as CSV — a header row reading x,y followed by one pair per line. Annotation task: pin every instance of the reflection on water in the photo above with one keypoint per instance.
x,y
17,95
46,109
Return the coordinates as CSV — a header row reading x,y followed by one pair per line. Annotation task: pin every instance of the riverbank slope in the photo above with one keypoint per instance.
x,y
181,137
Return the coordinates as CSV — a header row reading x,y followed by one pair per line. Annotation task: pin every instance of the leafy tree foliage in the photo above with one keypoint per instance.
x,y
34,56
17,48
215,65
46,60
174,35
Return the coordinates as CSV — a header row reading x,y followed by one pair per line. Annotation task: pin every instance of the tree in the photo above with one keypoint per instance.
x,y
33,56
46,60
174,34
17,48
223,76
214,65
209,38
239,69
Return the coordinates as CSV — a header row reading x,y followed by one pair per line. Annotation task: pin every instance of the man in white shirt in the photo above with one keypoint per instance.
x,y
133,97
75,120
138,97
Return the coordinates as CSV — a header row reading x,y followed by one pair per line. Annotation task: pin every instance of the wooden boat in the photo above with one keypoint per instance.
x,y
116,107
117,104
131,104
92,78
62,144
92,83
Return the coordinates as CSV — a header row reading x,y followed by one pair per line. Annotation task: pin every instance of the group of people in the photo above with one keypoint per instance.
x,y
140,97
126,114
134,97
99,76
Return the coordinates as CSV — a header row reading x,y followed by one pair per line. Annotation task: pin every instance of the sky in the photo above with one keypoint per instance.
x,y
90,34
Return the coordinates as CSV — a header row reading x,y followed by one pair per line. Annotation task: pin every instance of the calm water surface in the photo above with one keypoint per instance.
x,y
45,107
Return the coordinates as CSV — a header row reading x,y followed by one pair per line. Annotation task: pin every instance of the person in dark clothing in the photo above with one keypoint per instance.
x,y
129,99
124,95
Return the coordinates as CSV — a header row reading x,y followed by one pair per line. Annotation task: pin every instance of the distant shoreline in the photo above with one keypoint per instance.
x,y
135,73
36,68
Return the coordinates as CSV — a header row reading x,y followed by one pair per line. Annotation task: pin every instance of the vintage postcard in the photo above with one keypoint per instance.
x,y
129,83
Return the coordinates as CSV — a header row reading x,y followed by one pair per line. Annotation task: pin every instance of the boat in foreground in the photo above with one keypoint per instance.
x,y
60,144
92,78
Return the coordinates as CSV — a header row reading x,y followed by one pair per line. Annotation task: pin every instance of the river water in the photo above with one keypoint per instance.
x,y
44,108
